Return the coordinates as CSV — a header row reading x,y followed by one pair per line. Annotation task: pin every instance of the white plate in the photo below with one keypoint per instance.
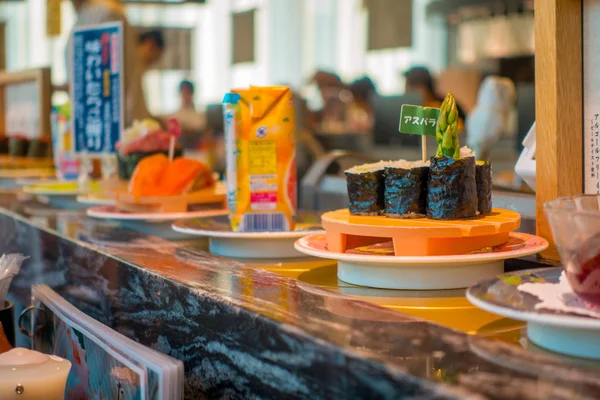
x,y
421,273
34,181
113,213
563,333
95,200
264,245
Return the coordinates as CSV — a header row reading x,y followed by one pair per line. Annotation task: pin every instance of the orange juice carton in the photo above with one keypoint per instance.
x,y
260,140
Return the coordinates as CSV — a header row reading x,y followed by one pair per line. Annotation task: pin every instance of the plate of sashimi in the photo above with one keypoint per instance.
x,y
154,187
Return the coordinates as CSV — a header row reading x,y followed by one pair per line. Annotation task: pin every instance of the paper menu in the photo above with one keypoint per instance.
x,y
22,114
134,370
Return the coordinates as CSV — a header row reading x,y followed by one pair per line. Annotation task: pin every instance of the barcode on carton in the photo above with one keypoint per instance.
x,y
265,222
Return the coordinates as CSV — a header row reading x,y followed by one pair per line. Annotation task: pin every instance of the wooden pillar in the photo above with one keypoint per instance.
x,y
2,46
559,115
2,67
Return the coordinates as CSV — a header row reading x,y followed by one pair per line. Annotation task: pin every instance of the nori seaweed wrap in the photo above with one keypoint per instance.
x,y
406,189
366,189
452,188
452,185
483,176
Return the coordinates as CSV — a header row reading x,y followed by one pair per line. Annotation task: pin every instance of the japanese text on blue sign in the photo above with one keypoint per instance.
x,y
97,87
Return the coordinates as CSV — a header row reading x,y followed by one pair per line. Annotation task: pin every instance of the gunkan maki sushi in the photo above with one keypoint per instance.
x,y
406,189
452,191
483,176
366,188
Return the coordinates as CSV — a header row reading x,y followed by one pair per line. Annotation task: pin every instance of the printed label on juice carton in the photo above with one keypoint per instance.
x,y
263,201
261,159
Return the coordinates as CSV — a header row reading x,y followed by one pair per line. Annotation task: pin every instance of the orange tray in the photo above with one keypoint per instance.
x,y
420,236
213,197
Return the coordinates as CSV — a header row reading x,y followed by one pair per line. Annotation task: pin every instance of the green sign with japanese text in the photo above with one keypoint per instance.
x,y
417,120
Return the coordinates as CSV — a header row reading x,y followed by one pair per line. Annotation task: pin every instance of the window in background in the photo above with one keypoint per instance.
x,y
162,90
389,39
178,50
179,25
291,39
165,1
243,37
390,24
163,78
385,67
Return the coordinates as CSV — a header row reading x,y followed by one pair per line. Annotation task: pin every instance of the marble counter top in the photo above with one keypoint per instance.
x,y
246,333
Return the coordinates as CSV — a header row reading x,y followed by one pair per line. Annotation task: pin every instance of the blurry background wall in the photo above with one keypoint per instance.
x,y
292,38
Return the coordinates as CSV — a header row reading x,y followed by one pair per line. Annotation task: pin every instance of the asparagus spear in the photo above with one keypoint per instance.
x,y
446,133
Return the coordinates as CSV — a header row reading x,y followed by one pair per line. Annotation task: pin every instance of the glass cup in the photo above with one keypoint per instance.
x,y
575,224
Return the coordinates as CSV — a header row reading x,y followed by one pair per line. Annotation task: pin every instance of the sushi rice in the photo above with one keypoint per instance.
x,y
366,188
466,152
403,164
371,167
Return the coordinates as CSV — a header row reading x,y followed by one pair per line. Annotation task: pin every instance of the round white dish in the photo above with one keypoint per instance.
x,y
92,200
113,213
263,245
376,268
563,333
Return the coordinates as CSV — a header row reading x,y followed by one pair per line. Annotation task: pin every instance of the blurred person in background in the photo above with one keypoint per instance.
x,y
94,12
419,80
489,120
151,47
325,99
308,148
193,122
186,95
363,90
